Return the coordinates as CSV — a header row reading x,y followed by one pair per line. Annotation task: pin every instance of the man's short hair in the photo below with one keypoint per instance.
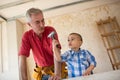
x,y
32,11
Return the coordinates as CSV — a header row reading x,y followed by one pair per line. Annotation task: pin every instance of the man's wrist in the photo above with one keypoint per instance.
x,y
58,75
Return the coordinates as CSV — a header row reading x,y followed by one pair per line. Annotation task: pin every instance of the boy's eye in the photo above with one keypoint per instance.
x,y
70,40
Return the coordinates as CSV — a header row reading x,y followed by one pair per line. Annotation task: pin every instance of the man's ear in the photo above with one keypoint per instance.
x,y
29,24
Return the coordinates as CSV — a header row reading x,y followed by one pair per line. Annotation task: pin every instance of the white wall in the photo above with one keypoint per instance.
x,y
3,47
11,37
84,22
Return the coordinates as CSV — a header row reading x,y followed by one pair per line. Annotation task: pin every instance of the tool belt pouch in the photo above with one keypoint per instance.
x,y
37,74
39,71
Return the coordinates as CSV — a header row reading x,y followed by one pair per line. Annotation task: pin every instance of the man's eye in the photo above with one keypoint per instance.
x,y
72,39
68,40
42,20
37,22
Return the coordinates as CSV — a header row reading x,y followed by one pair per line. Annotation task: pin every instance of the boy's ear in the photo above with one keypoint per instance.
x,y
81,41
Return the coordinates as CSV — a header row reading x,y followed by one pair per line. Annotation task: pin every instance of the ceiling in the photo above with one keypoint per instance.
x,y
12,9
43,3
18,7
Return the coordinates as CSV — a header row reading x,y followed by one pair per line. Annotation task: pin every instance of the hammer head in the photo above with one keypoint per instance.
x,y
51,35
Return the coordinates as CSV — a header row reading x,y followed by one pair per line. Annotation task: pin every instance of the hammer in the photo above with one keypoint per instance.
x,y
52,35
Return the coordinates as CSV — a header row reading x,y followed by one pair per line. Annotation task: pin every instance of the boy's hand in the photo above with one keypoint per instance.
x,y
88,71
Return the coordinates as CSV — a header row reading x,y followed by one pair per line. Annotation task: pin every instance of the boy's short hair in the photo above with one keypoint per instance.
x,y
32,11
77,35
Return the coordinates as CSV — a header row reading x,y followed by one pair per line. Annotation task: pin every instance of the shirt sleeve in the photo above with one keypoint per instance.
x,y
25,45
91,58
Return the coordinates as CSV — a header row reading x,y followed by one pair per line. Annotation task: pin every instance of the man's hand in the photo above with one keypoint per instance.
x,y
23,67
55,43
54,78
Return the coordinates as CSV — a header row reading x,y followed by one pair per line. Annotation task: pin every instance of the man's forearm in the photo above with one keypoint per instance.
x,y
23,68
23,74
57,54
57,68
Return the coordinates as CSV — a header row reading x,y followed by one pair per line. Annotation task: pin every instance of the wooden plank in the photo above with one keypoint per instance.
x,y
116,64
115,47
110,34
105,34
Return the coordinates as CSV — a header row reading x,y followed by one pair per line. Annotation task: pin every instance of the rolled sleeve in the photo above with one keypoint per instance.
x,y
25,46
91,59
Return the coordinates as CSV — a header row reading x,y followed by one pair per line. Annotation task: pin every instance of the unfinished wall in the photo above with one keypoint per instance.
x,y
84,22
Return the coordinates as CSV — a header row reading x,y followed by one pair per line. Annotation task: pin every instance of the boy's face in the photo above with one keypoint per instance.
x,y
74,41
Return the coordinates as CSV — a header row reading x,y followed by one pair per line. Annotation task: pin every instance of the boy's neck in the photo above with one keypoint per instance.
x,y
77,49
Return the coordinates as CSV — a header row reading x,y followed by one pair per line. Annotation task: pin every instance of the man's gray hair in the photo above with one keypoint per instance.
x,y
32,11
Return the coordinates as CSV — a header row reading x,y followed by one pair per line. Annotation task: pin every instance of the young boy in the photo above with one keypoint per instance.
x,y
80,62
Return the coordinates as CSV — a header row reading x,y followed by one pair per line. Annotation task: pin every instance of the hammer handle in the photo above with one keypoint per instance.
x,y
58,46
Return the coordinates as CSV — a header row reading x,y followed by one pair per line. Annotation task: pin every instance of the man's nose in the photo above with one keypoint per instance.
x,y
41,24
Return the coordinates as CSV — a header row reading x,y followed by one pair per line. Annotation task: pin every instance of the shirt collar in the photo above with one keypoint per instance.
x,y
72,51
33,33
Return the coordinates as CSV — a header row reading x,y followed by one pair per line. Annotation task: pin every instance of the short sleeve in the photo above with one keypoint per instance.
x,y
25,45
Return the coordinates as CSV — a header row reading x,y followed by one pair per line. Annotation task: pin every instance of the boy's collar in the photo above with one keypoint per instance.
x,y
75,51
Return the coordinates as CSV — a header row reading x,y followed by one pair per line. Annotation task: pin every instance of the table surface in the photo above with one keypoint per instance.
x,y
111,75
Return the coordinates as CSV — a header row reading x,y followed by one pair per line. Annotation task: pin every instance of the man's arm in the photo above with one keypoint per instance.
x,y
57,68
57,58
57,64
23,67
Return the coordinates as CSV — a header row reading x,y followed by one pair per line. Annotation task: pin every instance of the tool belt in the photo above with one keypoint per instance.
x,y
49,70
40,71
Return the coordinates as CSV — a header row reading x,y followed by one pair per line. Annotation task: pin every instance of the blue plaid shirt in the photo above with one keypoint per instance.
x,y
78,62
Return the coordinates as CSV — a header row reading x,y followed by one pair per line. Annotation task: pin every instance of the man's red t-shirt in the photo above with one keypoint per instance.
x,y
42,48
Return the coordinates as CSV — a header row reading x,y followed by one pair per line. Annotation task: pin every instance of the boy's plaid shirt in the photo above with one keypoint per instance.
x,y
78,62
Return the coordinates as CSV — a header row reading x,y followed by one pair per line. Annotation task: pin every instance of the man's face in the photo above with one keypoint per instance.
x,y
37,23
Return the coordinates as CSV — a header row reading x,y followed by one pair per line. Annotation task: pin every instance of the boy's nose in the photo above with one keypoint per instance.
x,y
69,44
